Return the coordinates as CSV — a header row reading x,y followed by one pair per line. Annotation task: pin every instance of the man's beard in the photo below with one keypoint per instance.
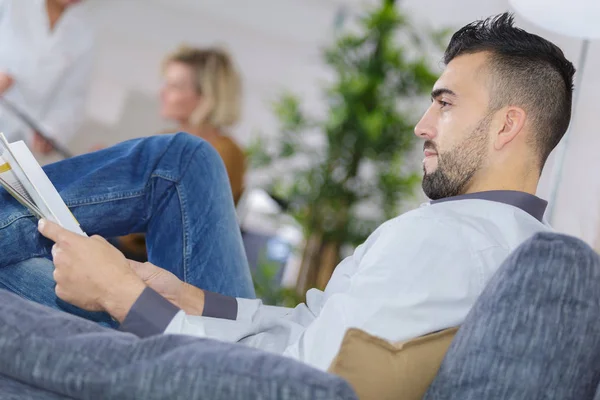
x,y
456,167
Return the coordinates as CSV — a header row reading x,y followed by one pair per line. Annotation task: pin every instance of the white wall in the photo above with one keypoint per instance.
x,y
270,42
276,44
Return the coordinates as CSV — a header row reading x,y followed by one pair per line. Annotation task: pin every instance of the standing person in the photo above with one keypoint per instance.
x,y
46,58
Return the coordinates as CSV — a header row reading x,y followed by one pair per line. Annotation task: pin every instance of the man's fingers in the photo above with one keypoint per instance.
x,y
145,271
60,293
55,232
56,275
138,268
99,238
135,265
59,257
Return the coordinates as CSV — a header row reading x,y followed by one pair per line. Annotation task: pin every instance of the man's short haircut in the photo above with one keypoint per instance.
x,y
527,71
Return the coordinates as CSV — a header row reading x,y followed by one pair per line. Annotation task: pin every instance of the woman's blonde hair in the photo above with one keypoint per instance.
x,y
217,81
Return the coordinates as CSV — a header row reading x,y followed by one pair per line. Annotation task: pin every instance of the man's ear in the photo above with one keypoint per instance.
x,y
511,124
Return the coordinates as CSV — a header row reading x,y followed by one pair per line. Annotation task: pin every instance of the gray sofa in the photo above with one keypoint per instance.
x,y
533,334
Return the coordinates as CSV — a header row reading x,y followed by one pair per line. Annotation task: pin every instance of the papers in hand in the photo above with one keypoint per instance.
x,y
26,181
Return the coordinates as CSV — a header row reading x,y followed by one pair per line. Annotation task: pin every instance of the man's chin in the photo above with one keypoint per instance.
x,y
428,171
431,185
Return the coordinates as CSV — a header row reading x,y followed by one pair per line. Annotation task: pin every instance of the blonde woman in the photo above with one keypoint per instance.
x,y
202,94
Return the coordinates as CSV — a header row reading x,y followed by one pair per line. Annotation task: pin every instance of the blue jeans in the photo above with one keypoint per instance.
x,y
173,188
47,354
534,333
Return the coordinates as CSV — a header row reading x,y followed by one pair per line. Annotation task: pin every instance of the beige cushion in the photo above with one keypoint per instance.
x,y
378,369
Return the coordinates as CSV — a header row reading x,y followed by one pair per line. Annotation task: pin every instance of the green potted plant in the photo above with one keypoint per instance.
x,y
362,146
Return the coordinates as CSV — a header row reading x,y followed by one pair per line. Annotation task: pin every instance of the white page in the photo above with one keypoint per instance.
x,y
42,191
9,157
23,200
12,184
8,177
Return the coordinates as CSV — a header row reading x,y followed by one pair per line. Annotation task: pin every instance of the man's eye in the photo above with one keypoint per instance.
x,y
443,104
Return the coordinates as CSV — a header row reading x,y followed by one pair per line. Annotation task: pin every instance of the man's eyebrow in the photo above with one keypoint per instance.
x,y
438,92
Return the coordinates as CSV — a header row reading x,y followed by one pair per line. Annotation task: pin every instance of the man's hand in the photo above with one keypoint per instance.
x,y
41,145
6,81
90,273
185,296
162,281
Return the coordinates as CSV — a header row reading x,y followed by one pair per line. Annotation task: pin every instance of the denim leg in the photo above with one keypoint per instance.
x,y
66,355
32,279
535,331
174,188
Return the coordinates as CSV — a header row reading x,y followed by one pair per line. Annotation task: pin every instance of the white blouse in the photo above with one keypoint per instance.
x,y
51,69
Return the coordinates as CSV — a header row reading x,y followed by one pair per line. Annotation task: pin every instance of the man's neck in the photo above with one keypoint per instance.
x,y
527,183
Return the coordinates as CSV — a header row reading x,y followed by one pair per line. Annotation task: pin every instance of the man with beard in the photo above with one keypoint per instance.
x,y
501,105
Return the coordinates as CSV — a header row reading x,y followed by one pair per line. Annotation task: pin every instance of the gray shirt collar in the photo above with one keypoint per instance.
x,y
529,203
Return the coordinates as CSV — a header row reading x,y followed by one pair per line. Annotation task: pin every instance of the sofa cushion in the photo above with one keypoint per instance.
x,y
534,333
378,369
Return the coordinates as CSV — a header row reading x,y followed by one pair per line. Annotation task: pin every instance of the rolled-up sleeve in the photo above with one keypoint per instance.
x,y
150,315
219,306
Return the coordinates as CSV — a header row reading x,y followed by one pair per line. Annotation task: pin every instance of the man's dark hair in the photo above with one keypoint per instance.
x,y
527,71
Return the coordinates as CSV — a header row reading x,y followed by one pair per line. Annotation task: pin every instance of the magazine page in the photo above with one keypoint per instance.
x,y
33,181
42,190
7,155
8,177
14,187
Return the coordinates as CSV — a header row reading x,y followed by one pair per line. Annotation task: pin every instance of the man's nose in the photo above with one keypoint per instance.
x,y
424,128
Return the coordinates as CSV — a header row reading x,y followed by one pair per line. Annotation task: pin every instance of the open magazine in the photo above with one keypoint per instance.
x,y
23,177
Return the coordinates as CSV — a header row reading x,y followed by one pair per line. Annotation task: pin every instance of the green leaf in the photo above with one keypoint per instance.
x,y
373,125
257,154
287,110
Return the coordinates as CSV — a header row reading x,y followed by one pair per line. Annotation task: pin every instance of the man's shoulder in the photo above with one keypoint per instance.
x,y
465,209
417,226
427,212
480,221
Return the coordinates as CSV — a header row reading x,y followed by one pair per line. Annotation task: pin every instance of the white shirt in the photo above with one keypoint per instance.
x,y
51,69
416,274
